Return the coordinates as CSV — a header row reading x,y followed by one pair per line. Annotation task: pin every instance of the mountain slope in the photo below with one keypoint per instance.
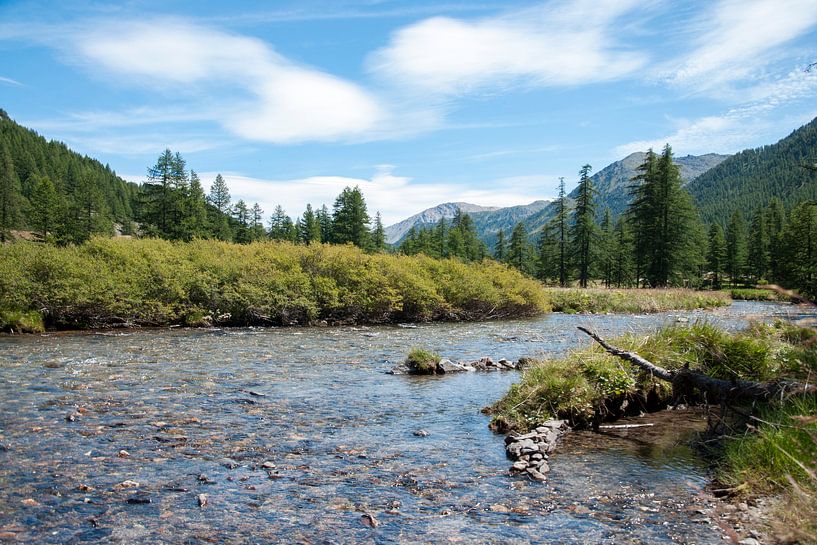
x,y
73,174
751,178
488,224
429,217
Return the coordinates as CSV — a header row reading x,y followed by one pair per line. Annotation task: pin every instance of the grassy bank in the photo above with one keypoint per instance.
x,y
774,451
752,294
633,301
108,282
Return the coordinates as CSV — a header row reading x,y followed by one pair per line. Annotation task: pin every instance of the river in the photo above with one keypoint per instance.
x,y
296,435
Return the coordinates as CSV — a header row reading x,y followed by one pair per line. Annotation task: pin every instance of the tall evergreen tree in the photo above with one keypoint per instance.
x,y
716,256
309,226
775,224
45,208
325,222
378,234
606,248
241,214
500,248
10,197
561,221
518,250
195,224
219,199
584,225
257,222
350,220
758,246
280,225
800,240
736,251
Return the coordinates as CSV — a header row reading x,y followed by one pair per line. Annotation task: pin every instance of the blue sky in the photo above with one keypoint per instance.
x,y
417,102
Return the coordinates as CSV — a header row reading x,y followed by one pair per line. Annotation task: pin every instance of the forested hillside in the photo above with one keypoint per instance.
x,y
751,178
45,182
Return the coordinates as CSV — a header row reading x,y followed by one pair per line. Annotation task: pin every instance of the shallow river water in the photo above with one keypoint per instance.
x,y
327,447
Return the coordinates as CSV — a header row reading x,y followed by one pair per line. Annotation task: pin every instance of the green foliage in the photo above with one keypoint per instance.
x,y
422,361
736,247
155,282
750,294
584,229
17,321
599,301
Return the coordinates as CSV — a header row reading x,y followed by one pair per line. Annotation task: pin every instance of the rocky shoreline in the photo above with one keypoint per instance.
x,y
446,366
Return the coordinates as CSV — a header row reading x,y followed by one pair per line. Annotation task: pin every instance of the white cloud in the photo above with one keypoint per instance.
x,y
736,38
558,44
269,99
396,197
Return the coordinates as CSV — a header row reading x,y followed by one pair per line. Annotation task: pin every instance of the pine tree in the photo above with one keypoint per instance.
x,y
378,234
641,212
325,222
10,196
442,245
309,226
241,214
623,251
758,246
606,250
257,231
518,251
800,240
775,224
45,208
195,223
561,230
584,225
716,256
350,221
500,248
219,199
548,254
736,247
280,225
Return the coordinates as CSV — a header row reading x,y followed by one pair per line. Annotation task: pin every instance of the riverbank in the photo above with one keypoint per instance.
x,y
776,456
150,282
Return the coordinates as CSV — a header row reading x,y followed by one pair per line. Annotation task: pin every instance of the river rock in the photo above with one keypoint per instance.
x,y
535,474
446,366
519,465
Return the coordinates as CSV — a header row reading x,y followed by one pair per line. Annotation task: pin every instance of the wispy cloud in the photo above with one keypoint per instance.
x,y
10,81
736,39
556,44
268,97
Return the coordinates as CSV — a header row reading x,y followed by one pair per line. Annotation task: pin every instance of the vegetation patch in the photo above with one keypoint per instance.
x,y
422,362
751,294
108,282
19,321
635,301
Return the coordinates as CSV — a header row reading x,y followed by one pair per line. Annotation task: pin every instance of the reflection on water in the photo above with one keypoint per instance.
x,y
294,434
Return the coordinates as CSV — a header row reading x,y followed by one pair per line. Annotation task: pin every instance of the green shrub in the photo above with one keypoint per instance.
x,y
155,282
18,321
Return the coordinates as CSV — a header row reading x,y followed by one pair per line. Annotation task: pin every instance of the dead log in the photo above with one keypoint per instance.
x,y
685,381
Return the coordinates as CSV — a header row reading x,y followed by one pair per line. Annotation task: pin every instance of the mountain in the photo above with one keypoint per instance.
x,y
488,224
613,181
430,216
751,178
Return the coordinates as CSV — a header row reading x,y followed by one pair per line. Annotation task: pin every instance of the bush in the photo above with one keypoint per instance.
x,y
107,282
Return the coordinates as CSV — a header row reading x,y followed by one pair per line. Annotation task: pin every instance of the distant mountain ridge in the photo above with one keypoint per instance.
x,y
430,216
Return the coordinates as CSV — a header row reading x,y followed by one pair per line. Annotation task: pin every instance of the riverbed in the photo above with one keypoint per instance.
x,y
298,435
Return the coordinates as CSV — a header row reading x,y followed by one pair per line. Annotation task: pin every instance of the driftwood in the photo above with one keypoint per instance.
x,y
685,381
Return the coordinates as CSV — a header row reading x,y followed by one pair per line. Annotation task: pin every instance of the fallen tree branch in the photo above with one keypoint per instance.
x,y
685,381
